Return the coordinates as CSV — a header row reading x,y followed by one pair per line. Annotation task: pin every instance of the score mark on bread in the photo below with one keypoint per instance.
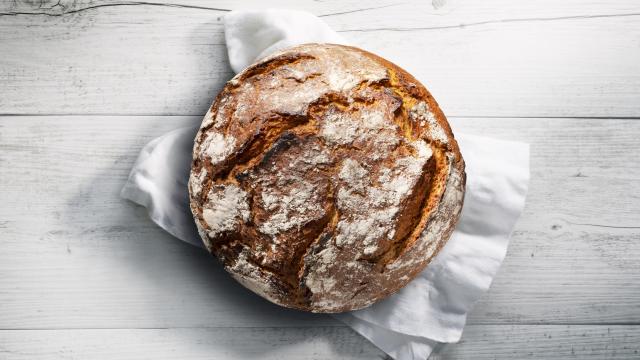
x,y
325,178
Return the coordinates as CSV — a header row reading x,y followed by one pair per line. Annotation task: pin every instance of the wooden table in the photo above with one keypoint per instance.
x,y
85,84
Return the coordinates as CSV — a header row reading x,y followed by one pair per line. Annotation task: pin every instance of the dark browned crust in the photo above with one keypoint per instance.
x,y
268,143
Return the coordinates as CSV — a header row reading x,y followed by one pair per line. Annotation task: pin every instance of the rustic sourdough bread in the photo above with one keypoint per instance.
x,y
325,178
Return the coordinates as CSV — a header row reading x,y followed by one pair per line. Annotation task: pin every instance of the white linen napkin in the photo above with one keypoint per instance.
x,y
432,309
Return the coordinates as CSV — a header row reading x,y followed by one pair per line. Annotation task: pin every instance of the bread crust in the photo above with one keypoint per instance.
x,y
325,178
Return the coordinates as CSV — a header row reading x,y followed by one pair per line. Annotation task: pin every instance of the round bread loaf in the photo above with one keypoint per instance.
x,y
325,178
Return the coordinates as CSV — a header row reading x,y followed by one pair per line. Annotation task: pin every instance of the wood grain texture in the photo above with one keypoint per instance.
x,y
85,274
75,255
500,58
213,343
546,342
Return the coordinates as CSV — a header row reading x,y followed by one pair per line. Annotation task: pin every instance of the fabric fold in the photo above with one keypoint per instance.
x,y
430,310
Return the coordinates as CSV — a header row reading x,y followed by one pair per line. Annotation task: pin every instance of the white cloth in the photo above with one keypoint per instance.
x,y
251,35
432,309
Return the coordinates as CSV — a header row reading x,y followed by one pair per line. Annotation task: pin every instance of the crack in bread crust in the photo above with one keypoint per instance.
x,y
333,176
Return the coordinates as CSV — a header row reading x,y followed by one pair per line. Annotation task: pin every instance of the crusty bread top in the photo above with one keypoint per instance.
x,y
325,178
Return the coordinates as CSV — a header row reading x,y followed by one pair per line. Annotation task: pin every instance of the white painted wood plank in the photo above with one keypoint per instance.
x,y
215,343
478,342
75,255
570,258
544,342
322,8
371,15
499,58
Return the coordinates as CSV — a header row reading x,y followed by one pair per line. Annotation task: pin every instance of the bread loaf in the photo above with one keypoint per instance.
x,y
325,178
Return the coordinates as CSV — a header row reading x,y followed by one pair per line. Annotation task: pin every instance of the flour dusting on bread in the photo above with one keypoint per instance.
x,y
325,178
217,146
421,113
226,207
